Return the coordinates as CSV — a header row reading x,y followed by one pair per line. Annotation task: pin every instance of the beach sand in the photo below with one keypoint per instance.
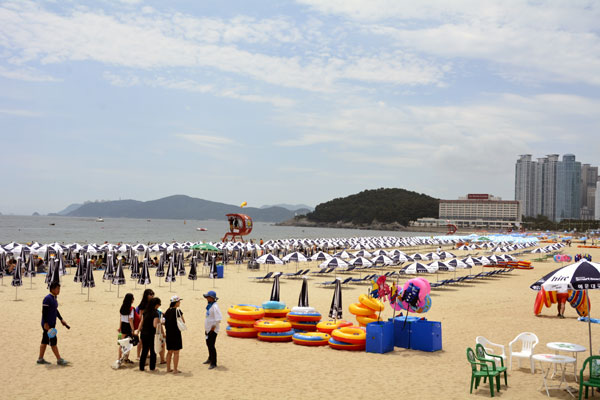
x,y
498,308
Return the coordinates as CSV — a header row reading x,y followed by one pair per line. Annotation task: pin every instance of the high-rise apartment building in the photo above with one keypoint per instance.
x,y
557,189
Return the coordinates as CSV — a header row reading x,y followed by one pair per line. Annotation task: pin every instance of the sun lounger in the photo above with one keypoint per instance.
x,y
331,283
262,278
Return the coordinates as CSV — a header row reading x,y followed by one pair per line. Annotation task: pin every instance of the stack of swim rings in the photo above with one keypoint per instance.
x,y
274,330
562,258
365,309
241,320
348,338
577,298
275,309
328,326
304,319
311,338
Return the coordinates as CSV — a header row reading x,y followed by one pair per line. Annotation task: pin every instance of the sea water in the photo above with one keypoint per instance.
x,y
44,229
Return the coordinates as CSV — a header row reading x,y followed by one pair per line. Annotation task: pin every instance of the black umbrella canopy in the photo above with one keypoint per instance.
x,y
135,267
303,300
55,273
144,278
213,267
119,275
17,277
170,277
193,275
80,269
160,269
30,270
51,264
88,277
109,272
336,311
275,289
578,276
180,267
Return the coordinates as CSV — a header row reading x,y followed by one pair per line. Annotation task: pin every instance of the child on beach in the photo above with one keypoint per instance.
x,y
149,324
126,320
174,342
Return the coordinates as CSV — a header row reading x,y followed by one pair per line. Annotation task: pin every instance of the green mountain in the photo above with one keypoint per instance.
x,y
379,205
177,207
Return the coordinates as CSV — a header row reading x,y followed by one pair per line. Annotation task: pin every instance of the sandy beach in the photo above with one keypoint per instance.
x,y
498,308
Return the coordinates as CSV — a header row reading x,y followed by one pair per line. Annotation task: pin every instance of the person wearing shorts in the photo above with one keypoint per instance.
x,y
49,315
561,300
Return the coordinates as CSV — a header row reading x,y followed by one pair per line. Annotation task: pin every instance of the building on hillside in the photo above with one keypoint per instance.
x,y
481,211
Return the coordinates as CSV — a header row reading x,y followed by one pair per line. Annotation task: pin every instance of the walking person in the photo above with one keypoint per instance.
x,y
561,298
149,324
174,342
126,320
211,327
49,315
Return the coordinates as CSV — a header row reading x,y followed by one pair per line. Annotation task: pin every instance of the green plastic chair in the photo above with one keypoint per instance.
x,y
594,378
483,356
483,372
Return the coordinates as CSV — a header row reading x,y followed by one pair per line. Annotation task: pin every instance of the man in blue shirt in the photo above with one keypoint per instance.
x,y
49,315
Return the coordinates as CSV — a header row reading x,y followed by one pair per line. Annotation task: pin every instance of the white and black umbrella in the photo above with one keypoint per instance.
x,y
180,267
344,255
135,267
275,289
363,253
53,272
303,299
170,275
144,278
334,263
360,262
193,274
17,278
80,269
336,309
383,260
418,268
119,275
582,275
88,278
320,256
30,269
109,271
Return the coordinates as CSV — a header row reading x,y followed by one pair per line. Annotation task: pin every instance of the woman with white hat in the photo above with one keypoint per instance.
x,y
174,342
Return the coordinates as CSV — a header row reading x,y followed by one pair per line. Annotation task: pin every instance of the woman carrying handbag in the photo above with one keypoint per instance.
x,y
174,324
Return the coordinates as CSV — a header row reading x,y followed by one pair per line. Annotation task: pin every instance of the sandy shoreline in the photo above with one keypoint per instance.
x,y
498,308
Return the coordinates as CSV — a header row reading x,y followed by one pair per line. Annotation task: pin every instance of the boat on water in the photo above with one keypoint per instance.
x,y
201,229
99,219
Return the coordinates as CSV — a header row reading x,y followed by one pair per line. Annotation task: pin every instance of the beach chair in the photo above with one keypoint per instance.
x,y
594,375
483,356
528,342
267,276
331,283
293,274
484,371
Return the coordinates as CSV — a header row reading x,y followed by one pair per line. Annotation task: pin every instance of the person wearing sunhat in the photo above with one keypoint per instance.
x,y
174,342
211,327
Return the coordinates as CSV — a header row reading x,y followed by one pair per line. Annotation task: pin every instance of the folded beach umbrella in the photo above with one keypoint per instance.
x,y
109,271
88,277
193,274
180,267
303,299
275,289
17,277
144,278
119,275
53,272
51,263
160,269
80,269
336,311
170,276
135,267
30,267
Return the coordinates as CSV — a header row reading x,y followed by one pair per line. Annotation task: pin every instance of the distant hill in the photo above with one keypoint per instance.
x,y
70,208
177,207
292,207
387,206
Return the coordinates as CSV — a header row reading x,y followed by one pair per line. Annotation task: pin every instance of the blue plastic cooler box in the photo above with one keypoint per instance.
x,y
220,271
402,330
426,335
380,337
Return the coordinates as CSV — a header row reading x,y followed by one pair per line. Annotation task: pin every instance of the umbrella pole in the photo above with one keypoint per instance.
x,y
214,279
30,281
170,286
17,288
118,287
88,294
193,285
589,320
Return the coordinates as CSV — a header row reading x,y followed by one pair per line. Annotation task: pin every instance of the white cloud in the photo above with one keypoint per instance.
x,y
24,73
20,113
206,140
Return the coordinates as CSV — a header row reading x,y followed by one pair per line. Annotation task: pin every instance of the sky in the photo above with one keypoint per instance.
x,y
289,101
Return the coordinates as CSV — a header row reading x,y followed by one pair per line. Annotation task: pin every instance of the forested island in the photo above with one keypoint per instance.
x,y
385,209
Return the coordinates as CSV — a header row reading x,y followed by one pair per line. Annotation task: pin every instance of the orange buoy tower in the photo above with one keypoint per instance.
x,y
239,225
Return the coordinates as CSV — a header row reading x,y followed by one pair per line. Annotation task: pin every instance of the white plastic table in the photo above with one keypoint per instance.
x,y
568,347
549,360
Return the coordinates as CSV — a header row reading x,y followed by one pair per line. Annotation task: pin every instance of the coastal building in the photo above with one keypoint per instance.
x,y
481,211
597,201
557,189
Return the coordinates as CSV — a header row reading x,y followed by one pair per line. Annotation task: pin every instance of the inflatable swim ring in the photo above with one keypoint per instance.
x,y
305,326
364,320
240,323
350,334
273,305
370,302
272,326
275,336
538,304
359,309
311,338
328,326
304,317
276,313
303,310
336,344
243,311
241,332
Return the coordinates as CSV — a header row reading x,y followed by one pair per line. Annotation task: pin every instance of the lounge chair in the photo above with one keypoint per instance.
x,y
267,276
330,283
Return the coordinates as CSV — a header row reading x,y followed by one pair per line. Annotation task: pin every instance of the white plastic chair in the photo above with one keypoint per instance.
x,y
492,348
528,342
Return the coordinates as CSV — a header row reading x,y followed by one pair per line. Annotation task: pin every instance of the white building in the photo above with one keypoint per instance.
x,y
481,211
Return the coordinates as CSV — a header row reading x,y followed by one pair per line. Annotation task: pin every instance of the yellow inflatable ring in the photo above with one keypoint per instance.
x,y
240,323
359,309
350,334
370,302
272,326
328,326
246,312
276,313
364,320
241,332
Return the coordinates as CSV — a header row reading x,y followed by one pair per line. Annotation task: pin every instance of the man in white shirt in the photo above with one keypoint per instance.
x,y
211,327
